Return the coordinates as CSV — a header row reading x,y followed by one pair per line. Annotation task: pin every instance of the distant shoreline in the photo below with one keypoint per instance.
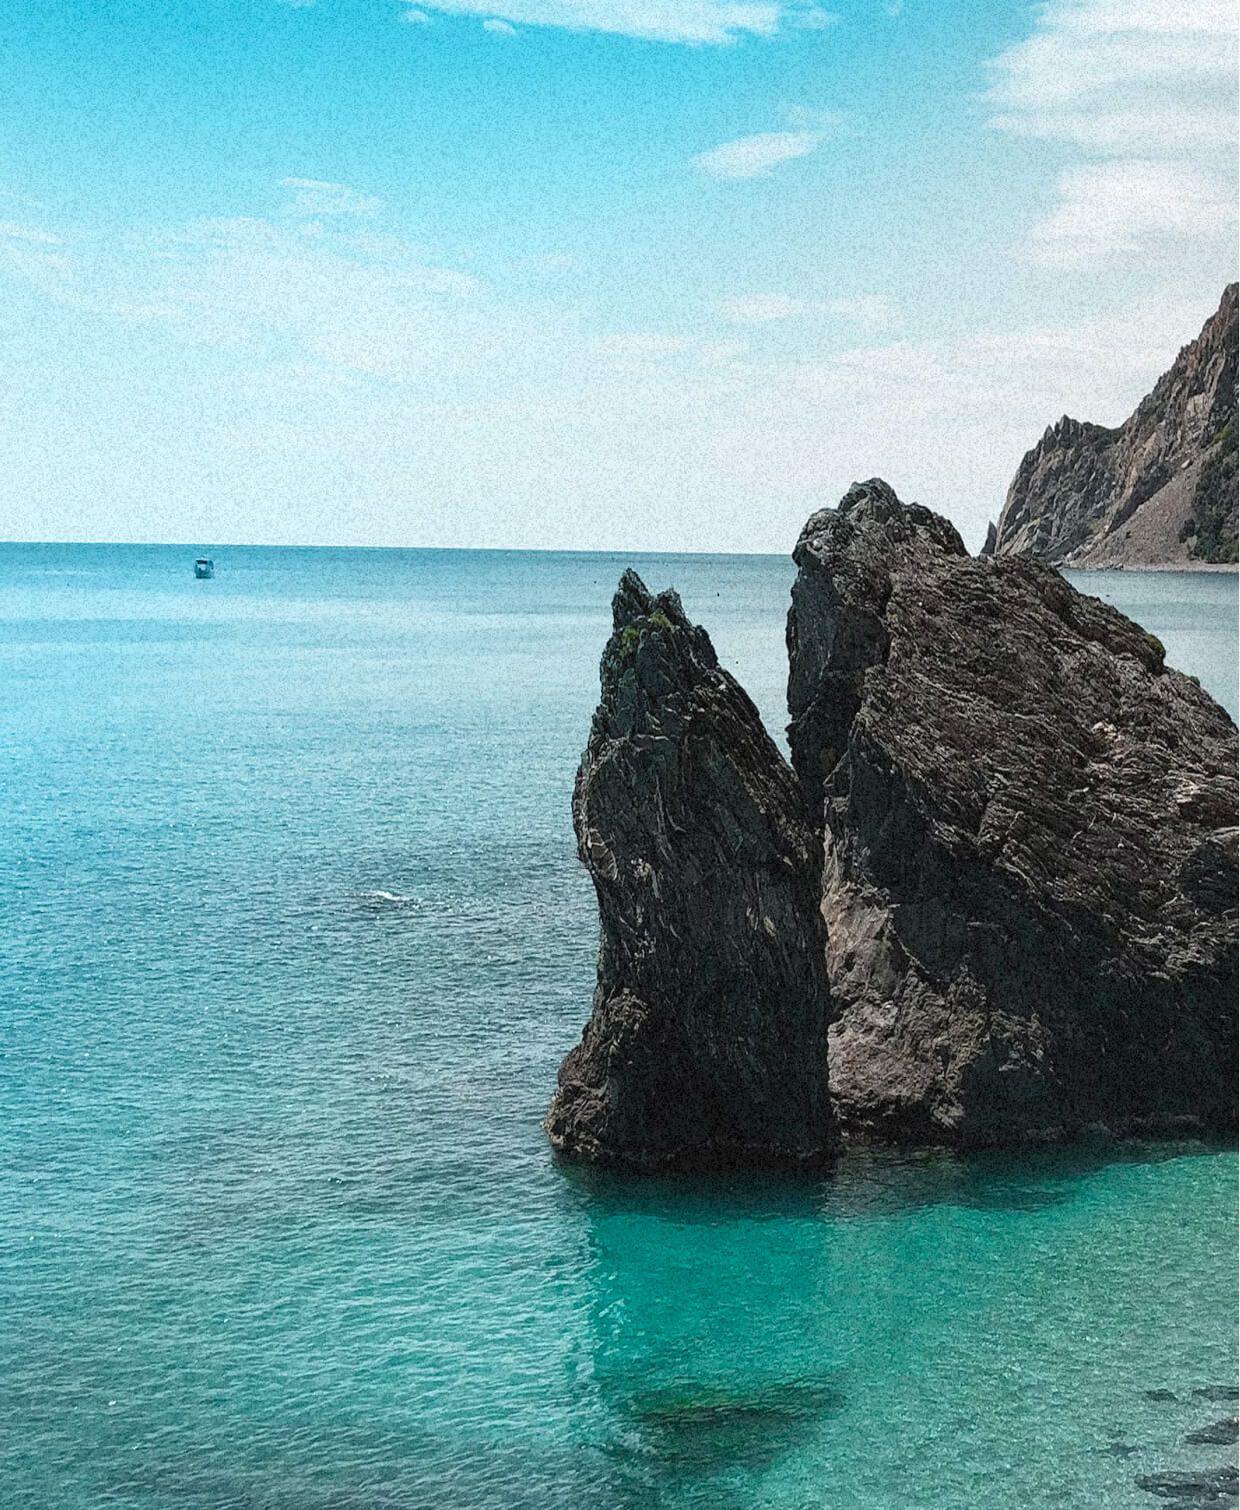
x,y
1180,566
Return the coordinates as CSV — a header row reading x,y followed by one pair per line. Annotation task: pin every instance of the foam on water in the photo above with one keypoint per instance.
x,y
294,939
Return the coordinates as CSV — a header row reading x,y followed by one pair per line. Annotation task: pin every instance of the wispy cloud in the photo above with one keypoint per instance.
x,y
692,21
640,344
362,304
1145,91
756,156
502,28
872,312
357,375
28,233
22,200
686,21
314,197
1125,207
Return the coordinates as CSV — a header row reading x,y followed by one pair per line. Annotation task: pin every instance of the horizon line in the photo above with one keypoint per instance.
x,y
510,550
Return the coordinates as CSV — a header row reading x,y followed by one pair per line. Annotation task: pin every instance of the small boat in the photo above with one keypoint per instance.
x,y
203,567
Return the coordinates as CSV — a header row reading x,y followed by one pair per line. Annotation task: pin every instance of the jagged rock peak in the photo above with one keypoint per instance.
x,y
1066,430
706,1047
874,504
992,535
1030,836
874,499
652,637
836,629
633,601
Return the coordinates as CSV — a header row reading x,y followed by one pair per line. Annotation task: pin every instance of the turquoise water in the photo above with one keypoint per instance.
x,y
293,941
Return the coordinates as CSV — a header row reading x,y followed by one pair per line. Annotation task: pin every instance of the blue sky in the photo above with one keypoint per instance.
x,y
585,273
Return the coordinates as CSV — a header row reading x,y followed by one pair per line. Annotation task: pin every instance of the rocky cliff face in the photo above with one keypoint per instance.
x,y
707,1044
1159,490
1030,878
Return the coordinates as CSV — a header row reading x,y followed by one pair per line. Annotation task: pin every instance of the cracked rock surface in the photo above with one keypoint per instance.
x,y
1029,880
707,1043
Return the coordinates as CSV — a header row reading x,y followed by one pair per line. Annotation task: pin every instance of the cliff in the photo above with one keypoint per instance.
x,y
1161,490
1029,879
707,1043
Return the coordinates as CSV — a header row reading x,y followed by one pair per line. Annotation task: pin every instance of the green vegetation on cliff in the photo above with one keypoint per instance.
x,y
1215,502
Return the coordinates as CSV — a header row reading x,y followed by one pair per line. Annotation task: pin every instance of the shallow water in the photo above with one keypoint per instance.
x,y
294,939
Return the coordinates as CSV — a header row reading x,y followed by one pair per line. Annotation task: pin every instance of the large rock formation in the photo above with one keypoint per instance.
x,y
1030,843
707,1044
1159,490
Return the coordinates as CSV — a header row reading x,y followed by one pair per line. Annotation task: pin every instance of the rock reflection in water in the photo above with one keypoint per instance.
x,y
716,1353
705,1427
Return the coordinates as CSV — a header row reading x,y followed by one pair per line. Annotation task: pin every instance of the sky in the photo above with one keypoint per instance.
x,y
586,274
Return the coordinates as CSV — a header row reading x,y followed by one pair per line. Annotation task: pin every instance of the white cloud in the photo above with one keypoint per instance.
x,y
502,28
1147,87
314,197
872,312
361,389
362,304
42,265
29,233
1126,207
755,156
1107,131
416,17
714,21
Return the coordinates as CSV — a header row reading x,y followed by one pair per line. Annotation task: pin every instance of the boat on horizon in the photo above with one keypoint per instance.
x,y
204,568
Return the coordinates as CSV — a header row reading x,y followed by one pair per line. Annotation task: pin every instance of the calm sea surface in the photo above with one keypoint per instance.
x,y
293,941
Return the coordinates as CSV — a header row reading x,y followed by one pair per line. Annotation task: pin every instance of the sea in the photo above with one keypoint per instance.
x,y
293,940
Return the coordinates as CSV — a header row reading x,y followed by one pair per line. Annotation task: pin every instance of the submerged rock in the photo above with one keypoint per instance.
x,y
1204,1488
693,1408
707,1043
1218,1434
703,1430
1030,843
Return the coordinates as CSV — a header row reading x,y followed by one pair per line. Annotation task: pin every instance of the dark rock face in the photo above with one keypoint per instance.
x,y
707,1043
1029,879
1159,490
